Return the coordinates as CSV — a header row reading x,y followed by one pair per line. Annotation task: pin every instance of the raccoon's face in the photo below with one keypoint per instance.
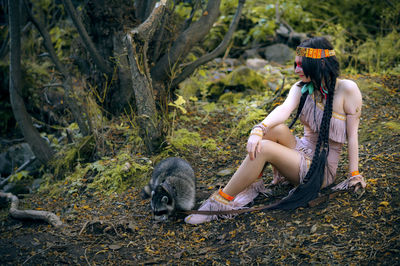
x,y
162,204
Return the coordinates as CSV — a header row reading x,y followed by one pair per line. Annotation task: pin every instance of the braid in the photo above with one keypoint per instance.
x,y
323,136
308,190
321,71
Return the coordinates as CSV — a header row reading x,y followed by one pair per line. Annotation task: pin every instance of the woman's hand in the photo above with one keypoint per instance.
x,y
357,182
253,145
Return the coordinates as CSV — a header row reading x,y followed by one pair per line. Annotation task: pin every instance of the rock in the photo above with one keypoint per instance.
x,y
232,62
313,229
279,53
251,53
256,63
273,76
245,77
14,157
16,189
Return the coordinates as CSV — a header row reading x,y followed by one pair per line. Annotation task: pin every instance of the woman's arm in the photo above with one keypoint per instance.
x,y
277,116
352,107
282,112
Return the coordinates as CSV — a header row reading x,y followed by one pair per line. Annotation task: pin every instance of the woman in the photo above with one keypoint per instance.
x,y
330,114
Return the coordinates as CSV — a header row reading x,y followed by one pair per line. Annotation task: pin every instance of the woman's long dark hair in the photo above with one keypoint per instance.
x,y
324,70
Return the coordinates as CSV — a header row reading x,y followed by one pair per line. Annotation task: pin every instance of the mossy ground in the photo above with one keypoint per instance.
x,y
117,228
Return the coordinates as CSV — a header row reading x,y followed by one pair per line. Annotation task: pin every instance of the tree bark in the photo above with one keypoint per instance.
x,y
148,119
143,8
38,145
100,62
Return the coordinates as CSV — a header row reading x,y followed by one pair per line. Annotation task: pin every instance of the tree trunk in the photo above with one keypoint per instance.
x,y
39,147
143,8
123,96
104,21
150,129
149,122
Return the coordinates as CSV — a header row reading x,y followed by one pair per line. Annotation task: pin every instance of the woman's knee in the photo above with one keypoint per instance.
x,y
276,132
267,148
279,129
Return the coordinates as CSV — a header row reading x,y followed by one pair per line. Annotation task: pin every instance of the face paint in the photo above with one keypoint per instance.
x,y
297,64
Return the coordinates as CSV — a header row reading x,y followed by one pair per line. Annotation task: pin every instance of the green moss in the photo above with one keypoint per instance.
x,y
181,139
107,176
252,117
230,97
118,174
246,77
210,144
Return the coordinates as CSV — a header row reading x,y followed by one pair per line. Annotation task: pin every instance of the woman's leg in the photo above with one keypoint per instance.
x,y
278,149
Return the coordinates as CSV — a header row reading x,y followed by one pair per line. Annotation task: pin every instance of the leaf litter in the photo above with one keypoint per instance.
x,y
118,228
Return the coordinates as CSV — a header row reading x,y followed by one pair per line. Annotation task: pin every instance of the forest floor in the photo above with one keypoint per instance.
x,y
348,229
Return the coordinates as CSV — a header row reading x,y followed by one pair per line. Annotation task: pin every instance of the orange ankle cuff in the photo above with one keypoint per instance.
x,y
224,195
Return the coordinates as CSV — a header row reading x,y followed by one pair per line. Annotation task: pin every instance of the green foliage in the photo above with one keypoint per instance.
x,y
378,54
118,174
249,117
107,176
21,177
393,126
66,159
361,31
183,140
230,97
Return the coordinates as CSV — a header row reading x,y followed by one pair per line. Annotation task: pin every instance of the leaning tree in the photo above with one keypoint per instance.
x,y
135,53
140,49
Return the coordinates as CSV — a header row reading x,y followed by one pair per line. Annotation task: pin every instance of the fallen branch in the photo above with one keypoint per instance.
x,y
46,216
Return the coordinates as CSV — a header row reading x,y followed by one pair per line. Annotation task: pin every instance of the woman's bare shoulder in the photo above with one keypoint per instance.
x,y
352,98
348,87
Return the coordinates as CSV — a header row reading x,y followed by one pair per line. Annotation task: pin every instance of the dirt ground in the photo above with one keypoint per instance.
x,y
362,228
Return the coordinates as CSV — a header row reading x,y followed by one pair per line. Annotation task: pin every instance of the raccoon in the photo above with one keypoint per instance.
x,y
172,187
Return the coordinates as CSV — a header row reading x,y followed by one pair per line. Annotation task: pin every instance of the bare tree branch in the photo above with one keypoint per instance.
x,y
99,61
46,216
184,43
143,8
67,84
146,30
188,70
146,108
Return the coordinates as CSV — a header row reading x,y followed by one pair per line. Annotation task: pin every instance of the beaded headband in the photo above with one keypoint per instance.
x,y
314,53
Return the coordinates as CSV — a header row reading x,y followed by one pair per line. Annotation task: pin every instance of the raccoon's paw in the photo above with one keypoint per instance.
x,y
146,192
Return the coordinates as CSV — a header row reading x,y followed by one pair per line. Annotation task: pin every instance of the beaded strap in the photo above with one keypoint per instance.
x,y
261,126
314,53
